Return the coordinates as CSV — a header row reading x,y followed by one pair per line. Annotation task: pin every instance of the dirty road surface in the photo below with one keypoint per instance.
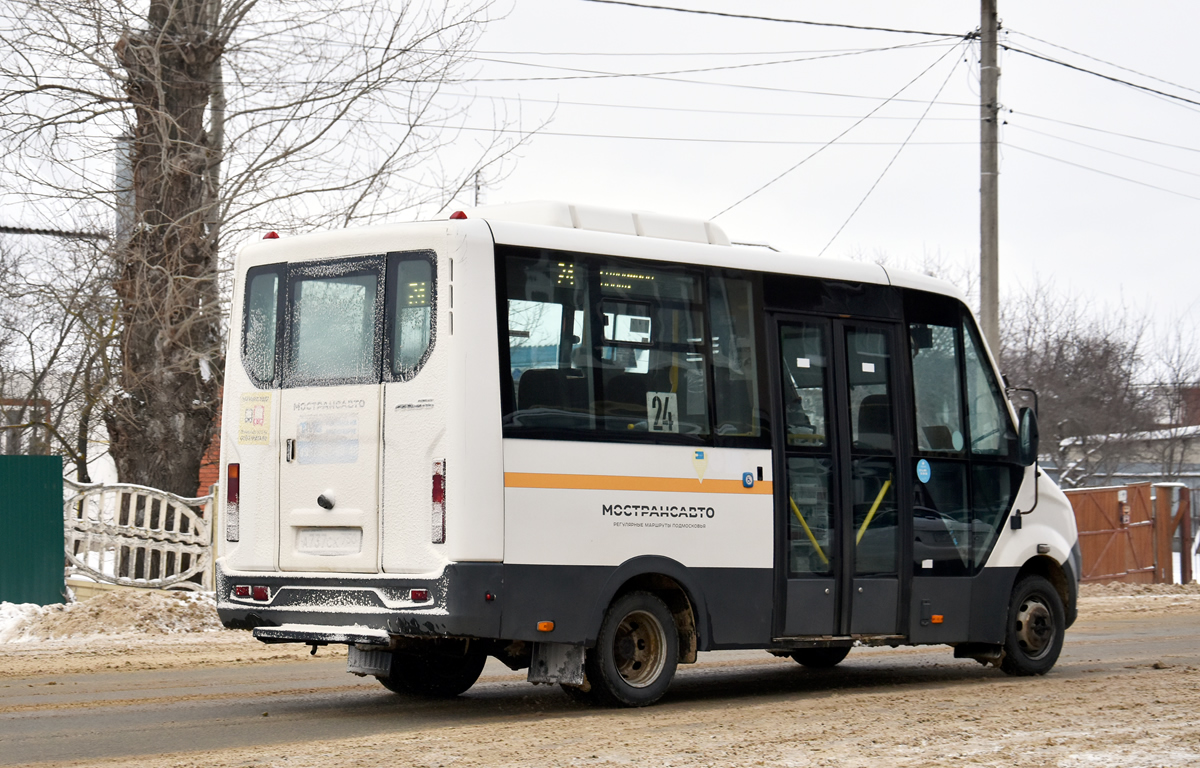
x,y
1126,692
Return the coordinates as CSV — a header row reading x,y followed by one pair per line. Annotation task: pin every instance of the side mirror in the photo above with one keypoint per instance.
x,y
1027,437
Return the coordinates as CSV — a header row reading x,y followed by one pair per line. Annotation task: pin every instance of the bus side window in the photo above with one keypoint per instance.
x,y
260,325
991,431
995,474
598,345
651,366
549,365
735,365
411,328
936,391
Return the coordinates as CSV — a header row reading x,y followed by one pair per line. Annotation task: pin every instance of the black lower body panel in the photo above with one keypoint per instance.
x,y
732,606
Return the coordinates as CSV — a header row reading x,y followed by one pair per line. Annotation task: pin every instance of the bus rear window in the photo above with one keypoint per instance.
x,y
261,323
334,329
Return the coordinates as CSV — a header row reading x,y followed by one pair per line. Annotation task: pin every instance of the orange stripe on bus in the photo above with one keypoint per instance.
x,y
624,483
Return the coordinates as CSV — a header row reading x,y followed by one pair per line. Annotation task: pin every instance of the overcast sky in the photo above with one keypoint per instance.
x,y
709,139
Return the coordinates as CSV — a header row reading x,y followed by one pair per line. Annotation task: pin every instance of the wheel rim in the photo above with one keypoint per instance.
x,y
639,649
1035,627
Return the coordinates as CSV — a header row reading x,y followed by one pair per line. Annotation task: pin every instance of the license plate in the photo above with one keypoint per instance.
x,y
329,541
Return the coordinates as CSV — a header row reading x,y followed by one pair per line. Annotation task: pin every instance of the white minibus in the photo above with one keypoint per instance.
x,y
593,443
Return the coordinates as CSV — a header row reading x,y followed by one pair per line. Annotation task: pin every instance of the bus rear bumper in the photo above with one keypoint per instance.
x,y
453,602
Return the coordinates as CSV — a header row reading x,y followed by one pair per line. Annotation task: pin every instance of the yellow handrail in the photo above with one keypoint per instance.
x,y
807,530
874,508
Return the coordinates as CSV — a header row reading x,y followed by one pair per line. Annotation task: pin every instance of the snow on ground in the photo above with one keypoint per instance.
x,y
141,612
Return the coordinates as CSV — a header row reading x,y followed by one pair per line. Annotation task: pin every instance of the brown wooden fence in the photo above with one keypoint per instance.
x,y
1126,532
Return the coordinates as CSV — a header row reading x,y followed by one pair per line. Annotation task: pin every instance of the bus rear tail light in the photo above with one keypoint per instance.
x,y
233,498
439,502
418,595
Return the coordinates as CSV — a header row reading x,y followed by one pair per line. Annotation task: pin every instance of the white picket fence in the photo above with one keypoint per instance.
x,y
136,536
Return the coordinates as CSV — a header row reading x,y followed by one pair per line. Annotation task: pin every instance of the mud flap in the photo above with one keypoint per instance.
x,y
372,661
557,663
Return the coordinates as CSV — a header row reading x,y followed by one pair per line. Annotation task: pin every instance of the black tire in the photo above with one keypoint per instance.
x,y
442,672
636,652
1033,635
820,658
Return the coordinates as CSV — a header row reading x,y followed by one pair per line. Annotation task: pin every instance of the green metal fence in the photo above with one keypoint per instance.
x,y
31,529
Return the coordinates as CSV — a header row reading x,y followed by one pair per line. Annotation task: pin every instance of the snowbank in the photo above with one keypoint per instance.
x,y
142,612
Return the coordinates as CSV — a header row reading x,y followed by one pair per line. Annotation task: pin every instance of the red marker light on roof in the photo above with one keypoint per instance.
x,y
458,215
275,235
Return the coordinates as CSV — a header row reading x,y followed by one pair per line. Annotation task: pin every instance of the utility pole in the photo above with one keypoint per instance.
x,y
480,192
989,179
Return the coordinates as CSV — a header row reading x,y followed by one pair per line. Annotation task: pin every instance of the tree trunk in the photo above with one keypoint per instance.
x,y
170,362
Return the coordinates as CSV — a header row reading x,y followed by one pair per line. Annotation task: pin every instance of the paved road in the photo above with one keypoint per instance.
x,y
116,714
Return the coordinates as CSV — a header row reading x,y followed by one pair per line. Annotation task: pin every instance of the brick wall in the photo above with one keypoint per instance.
x,y
210,465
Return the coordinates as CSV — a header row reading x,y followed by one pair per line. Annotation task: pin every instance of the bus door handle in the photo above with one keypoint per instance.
x,y
289,450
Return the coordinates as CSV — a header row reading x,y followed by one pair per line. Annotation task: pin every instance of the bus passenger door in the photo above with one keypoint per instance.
x,y
837,445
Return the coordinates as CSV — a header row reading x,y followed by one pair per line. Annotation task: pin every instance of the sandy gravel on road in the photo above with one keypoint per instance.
x,y
1143,715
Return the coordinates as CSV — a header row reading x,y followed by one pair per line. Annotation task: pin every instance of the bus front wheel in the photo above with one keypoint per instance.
x,y
636,652
1036,625
438,673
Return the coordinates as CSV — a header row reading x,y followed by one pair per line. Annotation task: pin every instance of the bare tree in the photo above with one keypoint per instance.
x,y
59,321
1176,394
233,114
1088,369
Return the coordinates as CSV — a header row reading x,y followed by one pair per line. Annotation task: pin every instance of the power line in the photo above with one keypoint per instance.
x,y
685,139
1009,145
699,110
589,74
1103,61
1104,131
1102,149
770,18
1087,71
829,143
895,157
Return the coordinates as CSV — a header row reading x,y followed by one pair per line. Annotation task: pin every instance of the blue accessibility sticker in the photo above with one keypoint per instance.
x,y
747,479
923,471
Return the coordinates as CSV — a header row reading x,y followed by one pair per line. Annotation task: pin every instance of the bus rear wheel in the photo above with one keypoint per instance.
x,y
820,658
1033,637
443,671
636,652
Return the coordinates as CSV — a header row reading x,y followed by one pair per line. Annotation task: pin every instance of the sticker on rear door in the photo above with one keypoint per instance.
x,y
328,439
254,418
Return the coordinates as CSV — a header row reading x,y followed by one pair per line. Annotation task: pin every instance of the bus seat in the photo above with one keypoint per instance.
x,y
625,395
542,388
875,423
